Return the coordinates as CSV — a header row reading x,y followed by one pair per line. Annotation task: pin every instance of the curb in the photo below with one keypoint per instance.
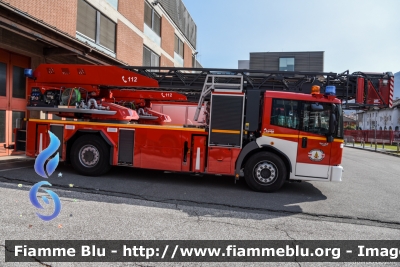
x,y
370,150
8,159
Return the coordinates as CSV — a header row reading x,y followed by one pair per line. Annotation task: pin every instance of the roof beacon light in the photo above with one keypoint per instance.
x,y
28,73
330,90
315,90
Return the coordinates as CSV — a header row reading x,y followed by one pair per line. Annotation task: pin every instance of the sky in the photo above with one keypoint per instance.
x,y
356,35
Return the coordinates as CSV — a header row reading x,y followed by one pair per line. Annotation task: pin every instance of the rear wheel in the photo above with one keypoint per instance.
x,y
90,155
265,172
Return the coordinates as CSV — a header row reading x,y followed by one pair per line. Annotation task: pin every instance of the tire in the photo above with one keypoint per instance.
x,y
90,155
265,172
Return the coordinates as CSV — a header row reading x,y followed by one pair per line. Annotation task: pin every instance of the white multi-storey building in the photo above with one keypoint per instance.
x,y
382,119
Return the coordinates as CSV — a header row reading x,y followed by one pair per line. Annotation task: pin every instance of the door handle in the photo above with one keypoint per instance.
x,y
186,149
304,142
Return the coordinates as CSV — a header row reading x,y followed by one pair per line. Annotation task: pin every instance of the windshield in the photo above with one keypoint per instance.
x,y
316,117
312,117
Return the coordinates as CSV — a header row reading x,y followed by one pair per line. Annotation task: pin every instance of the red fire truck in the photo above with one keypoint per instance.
x,y
268,127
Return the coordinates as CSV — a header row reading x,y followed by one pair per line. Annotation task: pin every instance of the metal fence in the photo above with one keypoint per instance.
x,y
367,136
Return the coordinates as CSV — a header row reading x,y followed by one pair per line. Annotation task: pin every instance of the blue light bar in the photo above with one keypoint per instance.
x,y
28,73
330,90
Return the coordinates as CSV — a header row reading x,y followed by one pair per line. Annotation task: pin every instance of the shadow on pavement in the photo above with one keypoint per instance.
x,y
15,163
208,191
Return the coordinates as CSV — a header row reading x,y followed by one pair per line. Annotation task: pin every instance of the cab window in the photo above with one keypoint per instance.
x,y
285,113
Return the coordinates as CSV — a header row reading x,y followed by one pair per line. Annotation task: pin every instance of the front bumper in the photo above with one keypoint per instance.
x,y
336,174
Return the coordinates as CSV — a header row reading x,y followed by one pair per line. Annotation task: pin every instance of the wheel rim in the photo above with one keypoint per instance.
x,y
89,156
265,172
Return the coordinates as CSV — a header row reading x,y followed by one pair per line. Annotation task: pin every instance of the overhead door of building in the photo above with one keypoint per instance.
x,y
12,96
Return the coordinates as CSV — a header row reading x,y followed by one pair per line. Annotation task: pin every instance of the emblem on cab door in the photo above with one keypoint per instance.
x,y
316,155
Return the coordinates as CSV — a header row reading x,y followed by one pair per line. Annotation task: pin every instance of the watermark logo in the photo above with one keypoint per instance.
x,y
40,165
33,198
46,154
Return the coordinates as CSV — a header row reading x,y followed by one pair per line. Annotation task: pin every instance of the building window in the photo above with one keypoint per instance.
x,y
94,25
178,46
3,78
150,59
114,3
86,23
19,83
107,32
286,64
152,19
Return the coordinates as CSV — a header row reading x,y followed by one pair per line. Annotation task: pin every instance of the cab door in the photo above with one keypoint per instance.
x,y
314,152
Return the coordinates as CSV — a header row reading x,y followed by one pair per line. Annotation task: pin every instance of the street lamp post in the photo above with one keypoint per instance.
x,y
376,126
375,132
194,61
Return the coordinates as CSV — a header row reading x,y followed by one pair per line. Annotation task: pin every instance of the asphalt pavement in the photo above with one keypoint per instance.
x,y
134,204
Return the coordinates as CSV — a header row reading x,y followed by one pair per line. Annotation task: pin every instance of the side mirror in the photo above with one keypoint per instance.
x,y
332,124
332,128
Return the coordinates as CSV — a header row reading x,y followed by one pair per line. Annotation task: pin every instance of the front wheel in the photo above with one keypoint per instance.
x,y
90,155
265,172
